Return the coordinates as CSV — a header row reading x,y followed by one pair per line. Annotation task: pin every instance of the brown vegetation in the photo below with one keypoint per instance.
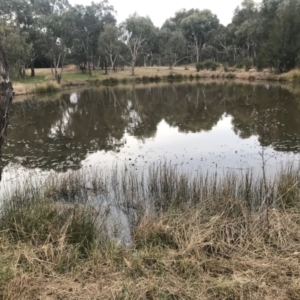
x,y
206,238
73,77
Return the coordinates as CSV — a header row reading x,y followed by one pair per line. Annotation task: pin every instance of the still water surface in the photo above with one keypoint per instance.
x,y
198,127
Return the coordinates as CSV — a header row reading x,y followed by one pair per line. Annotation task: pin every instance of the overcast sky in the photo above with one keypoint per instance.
x,y
160,10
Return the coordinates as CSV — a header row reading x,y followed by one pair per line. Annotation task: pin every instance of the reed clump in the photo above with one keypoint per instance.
x,y
110,81
47,87
192,237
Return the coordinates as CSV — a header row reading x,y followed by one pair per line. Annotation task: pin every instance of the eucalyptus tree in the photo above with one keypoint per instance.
x,y
42,12
19,19
30,16
283,47
89,24
137,32
172,45
196,26
56,36
220,40
110,44
247,29
16,46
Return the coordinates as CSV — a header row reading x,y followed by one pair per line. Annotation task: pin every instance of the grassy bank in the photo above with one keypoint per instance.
x,y
204,237
43,82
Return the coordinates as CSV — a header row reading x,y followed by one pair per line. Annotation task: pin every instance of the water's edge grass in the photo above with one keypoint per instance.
x,y
203,237
44,82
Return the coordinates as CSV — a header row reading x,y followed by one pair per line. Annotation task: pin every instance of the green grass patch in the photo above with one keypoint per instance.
x,y
40,78
76,76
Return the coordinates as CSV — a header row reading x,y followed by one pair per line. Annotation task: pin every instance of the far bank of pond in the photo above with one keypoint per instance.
x,y
43,81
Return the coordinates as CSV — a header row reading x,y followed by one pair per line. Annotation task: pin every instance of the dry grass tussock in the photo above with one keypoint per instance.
x,y
201,238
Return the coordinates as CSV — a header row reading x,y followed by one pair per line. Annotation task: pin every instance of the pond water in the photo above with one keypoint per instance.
x,y
196,126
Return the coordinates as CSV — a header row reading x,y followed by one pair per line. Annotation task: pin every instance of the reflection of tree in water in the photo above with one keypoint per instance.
x,y
287,133
59,134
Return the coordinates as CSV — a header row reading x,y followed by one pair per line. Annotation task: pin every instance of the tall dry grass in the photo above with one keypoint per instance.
x,y
203,237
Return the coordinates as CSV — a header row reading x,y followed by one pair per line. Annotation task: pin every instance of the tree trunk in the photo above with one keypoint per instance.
x,y
89,67
32,68
6,94
105,67
132,66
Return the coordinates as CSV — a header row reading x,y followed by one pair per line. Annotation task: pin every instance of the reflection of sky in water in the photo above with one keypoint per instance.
x,y
217,150
115,125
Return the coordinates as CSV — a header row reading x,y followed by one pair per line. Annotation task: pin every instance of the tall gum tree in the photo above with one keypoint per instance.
x,y
89,24
6,95
58,39
136,33
247,29
196,26
110,44
283,48
172,47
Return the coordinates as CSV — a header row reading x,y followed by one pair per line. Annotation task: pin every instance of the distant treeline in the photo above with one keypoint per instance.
x,y
52,33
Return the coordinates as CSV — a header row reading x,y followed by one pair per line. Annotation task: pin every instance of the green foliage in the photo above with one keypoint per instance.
x,y
171,46
16,48
109,43
239,64
87,34
298,60
200,66
244,64
195,25
47,88
37,219
210,65
110,81
282,49
247,64
137,34
225,67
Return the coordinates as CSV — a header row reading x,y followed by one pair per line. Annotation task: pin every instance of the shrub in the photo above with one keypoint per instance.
x,y
50,87
239,64
178,77
110,81
199,66
171,77
247,64
157,78
37,220
225,67
230,76
244,64
210,65
145,79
